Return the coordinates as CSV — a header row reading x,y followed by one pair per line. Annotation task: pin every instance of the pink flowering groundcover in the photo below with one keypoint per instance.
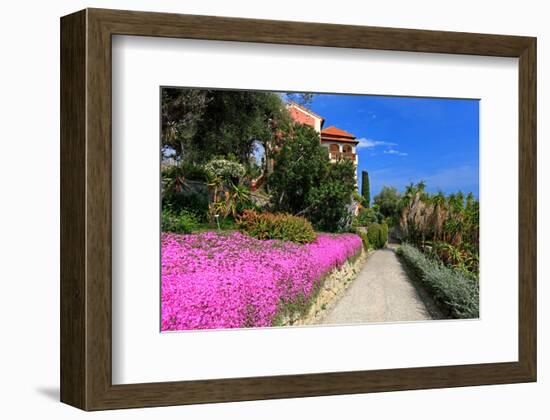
x,y
216,280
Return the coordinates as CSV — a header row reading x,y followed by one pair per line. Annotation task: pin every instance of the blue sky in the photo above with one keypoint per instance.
x,y
406,139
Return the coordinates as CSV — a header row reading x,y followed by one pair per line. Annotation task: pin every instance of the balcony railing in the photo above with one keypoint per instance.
x,y
344,155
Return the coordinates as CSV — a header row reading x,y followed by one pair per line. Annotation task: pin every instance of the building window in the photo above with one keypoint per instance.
x,y
334,151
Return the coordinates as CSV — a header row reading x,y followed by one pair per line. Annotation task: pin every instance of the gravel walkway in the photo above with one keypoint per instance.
x,y
382,292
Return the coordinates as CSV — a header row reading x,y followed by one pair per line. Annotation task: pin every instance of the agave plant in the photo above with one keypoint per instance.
x,y
174,179
227,200
222,207
240,195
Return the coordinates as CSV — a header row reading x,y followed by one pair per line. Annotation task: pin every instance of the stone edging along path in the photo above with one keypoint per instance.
x,y
333,288
382,292
371,287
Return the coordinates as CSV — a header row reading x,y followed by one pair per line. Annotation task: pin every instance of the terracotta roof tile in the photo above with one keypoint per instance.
x,y
337,132
333,131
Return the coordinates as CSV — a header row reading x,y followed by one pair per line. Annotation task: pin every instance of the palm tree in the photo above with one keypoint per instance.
x,y
404,205
450,225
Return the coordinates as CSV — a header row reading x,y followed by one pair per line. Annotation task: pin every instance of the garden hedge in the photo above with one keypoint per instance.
x,y
281,226
364,239
178,222
377,235
455,293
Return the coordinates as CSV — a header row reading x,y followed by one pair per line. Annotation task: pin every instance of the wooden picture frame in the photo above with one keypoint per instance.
x,y
86,209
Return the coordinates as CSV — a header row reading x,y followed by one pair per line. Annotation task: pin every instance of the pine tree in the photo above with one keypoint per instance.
x,y
365,188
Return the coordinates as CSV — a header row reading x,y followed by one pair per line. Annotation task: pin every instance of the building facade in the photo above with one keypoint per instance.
x,y
339,143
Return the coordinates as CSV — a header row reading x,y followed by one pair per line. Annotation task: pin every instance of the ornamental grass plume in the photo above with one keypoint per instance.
x,y
216,280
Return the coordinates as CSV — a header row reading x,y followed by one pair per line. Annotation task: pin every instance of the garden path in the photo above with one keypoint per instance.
x,y
381,292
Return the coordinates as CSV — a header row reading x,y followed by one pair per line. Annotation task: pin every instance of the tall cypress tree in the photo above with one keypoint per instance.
x,y
365,188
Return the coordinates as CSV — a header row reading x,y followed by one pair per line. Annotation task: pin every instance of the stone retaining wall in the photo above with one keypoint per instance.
x,y
333,287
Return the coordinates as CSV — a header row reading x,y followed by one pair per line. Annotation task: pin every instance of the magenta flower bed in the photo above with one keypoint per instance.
x,y
230,280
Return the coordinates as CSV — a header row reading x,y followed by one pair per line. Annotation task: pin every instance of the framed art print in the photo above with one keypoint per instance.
x,y
261,209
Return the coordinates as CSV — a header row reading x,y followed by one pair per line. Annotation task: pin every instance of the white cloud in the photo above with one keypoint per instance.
x,y
365,143
394,152
389,147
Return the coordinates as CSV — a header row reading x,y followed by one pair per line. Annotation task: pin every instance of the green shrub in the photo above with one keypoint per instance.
x,y
366,217
194,172
276,226
301,163
384,234
186,170
195,202
184,188
225,169
455,293
377,235
387,201
328,202
182,222
364,238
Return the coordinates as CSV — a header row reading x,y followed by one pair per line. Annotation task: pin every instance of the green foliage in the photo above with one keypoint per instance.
x,y
366,217
230,201
388,201
328,202
200,123
365,189
435,219
303,98
174,179
192,201
305,182
181,111
454,292
195,172
234,120
242,198
179,193
384,234
392,222
182,189
276,226
228,196
378,235
463,258
225,169
179,222
364,238
253,169
187,171
300,165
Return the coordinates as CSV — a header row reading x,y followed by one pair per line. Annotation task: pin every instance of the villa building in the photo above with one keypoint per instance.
x,y
339,143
